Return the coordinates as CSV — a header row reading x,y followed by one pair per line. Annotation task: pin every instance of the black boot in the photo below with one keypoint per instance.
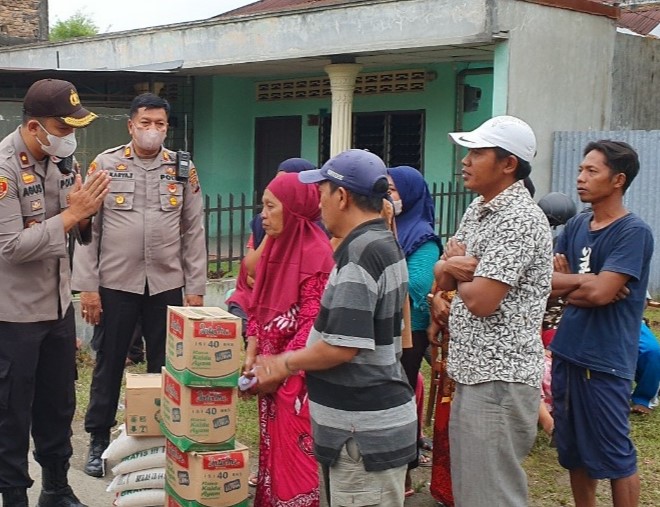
x,y
97,444
55,489
14,497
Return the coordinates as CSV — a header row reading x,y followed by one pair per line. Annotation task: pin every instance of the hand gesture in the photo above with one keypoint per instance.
x,y
453,248
193,300
560,264
622,293
440,309
250,355
85,200
462,267
270,372
90,307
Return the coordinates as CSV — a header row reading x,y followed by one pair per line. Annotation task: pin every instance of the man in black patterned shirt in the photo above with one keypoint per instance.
x,y
500,264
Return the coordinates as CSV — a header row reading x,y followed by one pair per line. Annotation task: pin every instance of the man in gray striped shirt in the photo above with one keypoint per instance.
x,y
363,410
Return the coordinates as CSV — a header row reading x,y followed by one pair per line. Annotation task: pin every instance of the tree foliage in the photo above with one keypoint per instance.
x,y
78,25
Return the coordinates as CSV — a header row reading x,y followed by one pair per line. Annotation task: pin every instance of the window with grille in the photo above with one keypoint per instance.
x,y
396,136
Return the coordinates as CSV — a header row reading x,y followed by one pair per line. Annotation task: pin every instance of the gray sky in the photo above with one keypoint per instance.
x,y
117,15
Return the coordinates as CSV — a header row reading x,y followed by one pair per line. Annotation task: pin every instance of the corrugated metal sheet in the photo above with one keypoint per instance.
x,y
643,196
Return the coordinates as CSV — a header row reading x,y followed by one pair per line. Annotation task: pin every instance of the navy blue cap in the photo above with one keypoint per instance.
x,y
355,170
295,165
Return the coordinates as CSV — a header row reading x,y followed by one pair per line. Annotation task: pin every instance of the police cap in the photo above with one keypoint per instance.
x,y
57,99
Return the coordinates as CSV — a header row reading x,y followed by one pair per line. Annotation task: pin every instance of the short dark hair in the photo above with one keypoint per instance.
x,y
523,169
372,202
41,119
27,117
620,157
149,101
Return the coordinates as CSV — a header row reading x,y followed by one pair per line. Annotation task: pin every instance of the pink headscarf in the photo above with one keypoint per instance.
x,y
301,250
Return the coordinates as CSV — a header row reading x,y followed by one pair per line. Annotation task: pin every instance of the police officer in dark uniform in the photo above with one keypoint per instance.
x,y
42,200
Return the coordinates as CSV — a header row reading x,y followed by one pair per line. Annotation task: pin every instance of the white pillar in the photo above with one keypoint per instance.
x,y
342,84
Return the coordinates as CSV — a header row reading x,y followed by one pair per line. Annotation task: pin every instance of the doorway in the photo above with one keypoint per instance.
x,y
276,139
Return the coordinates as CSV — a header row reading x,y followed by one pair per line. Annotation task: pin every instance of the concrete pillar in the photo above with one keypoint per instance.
x,y
342,85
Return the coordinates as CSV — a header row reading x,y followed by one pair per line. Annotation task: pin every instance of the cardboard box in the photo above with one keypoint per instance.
x,y
198,418
203,345
207,479
143,404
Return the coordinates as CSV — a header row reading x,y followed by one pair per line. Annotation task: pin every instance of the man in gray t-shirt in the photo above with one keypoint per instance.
x,y
363,411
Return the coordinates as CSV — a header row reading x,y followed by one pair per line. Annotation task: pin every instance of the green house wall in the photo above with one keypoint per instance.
x,y
226,108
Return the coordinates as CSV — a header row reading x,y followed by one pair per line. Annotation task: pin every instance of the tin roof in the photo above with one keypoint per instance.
x,y
266,6
641,20
598,7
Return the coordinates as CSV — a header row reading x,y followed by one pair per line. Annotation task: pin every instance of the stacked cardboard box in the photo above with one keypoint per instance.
x,y
137,455
143,404
205,466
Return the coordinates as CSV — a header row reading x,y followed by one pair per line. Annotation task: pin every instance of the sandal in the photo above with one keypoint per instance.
x,y
425,444
253,480
424,460
409,492
640,410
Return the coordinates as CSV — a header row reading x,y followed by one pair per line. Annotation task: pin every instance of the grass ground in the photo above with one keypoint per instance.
x,y
548,482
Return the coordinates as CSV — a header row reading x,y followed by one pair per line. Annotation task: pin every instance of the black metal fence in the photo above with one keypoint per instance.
x,y
227,221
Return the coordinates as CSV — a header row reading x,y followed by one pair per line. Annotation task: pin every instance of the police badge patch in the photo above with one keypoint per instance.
x,y
4,186
194,180
28,178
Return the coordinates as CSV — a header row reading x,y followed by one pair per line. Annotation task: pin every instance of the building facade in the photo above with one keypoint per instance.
x,y
23,21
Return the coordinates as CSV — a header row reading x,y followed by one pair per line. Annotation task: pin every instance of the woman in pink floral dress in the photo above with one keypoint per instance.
x,y
290,278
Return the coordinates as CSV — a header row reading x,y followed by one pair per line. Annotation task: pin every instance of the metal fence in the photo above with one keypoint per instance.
x,y
227,218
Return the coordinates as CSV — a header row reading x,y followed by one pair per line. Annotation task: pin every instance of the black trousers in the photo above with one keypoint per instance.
x,y
121,312
37,389
411,359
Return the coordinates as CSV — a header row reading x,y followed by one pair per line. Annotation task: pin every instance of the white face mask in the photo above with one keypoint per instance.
x,y
60,147
148,139
398,207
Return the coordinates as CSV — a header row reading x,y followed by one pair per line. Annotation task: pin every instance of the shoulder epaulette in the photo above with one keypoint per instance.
x,y
169,155
112,150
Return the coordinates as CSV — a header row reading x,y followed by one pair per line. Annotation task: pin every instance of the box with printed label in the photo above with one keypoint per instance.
x,y
198,418
207,479
203,345
143,404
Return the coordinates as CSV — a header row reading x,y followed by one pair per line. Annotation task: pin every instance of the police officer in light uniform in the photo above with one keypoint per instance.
x,y
147,245
40,203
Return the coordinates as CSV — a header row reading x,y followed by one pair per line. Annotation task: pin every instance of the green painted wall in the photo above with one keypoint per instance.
x,y
224,134
225,110
501,79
